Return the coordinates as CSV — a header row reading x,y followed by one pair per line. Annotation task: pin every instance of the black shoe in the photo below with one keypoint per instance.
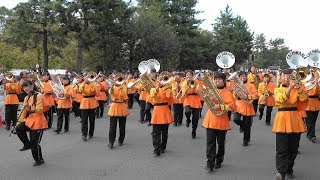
x,y
90,137
260,117
56,131
188,124
84,138
289,172
120,143
175,124
162,151
149,124
217,166
268,124
66,131
110,145
25,148
241,129
156,153
37,163
279,176
245,143
7,128
208,168
193,135
313,139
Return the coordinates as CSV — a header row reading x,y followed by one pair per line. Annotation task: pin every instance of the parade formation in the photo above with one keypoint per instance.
x,y
166,98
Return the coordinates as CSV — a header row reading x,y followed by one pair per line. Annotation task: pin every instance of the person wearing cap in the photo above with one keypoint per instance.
x,y
64,105
177,99
217,126
34,122
192,102
161,97
253,78
88,107
245,110
265,91
48,99
78,96
288,124
118,112
11,102
101,97
149,105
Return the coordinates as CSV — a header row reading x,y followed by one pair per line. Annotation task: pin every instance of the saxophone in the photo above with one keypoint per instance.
x,y
265,94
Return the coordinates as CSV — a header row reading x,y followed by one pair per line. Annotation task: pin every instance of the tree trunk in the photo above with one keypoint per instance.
x,y
45,50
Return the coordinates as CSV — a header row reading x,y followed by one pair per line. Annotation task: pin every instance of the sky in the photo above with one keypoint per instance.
x,y
296,21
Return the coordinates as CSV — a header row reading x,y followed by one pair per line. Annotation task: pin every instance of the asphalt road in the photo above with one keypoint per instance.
x,y
68,157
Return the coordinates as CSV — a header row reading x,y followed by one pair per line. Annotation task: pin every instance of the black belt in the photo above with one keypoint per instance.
x,y
48,93
288,109
88,96
314,96
102,90
161,104
239,98
192,94
11,93
117,101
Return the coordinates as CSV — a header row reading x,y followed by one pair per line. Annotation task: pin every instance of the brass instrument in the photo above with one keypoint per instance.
x,y
225,59
57,86
313,59
211,96
91,76
165,77
9,77
265,94
119,79
143,69
239,88
37,81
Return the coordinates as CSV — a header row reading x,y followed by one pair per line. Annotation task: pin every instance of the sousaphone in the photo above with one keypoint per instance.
x,y
225,59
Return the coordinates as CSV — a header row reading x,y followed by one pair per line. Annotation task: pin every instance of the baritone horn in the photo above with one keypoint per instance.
x,y
225,59
313,59
58,88
239,88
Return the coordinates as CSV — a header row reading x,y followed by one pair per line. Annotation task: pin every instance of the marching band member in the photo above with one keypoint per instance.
x,y
149,105
64,106
11,101
288,124
118,111
101,97
142,97
245,110
265,91
78,96
192,102
32,120
131,91
217,126
312,110
47,97
88,106
177,100
254,79
161,116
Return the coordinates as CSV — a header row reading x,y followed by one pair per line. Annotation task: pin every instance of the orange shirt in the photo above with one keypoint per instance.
x,y
221,122
12,90
47,94
36,120
161,99
131,90
289,121
119,96
143,94
244,108
101,91
314,103
191,98
66,102
89,100
78,95
269,101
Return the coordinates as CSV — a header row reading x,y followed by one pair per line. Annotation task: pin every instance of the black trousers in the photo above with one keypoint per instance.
x,y
136,97
76,108
49,116
149,107
229,115
63,112
215,136
113,128
130,100
286,151
255,105
245,124
35,139
142,110
195,116
202,103
85,115
100,109
311,123
268,113
11,114
178,113
160,137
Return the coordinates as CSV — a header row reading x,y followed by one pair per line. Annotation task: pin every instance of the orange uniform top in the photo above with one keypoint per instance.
x,y
244,108
161,99
133,89
252,78
36,120
221,122
47,94
143,94
12,90
289,121
191,98
149,98
270,90
180,99
314,103
78,95
89,100
119,96
102,88
66,102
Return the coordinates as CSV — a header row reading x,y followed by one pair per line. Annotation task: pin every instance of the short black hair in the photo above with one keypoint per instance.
x,y
27,83
241,73
287,71
153,70
220,75
266,75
